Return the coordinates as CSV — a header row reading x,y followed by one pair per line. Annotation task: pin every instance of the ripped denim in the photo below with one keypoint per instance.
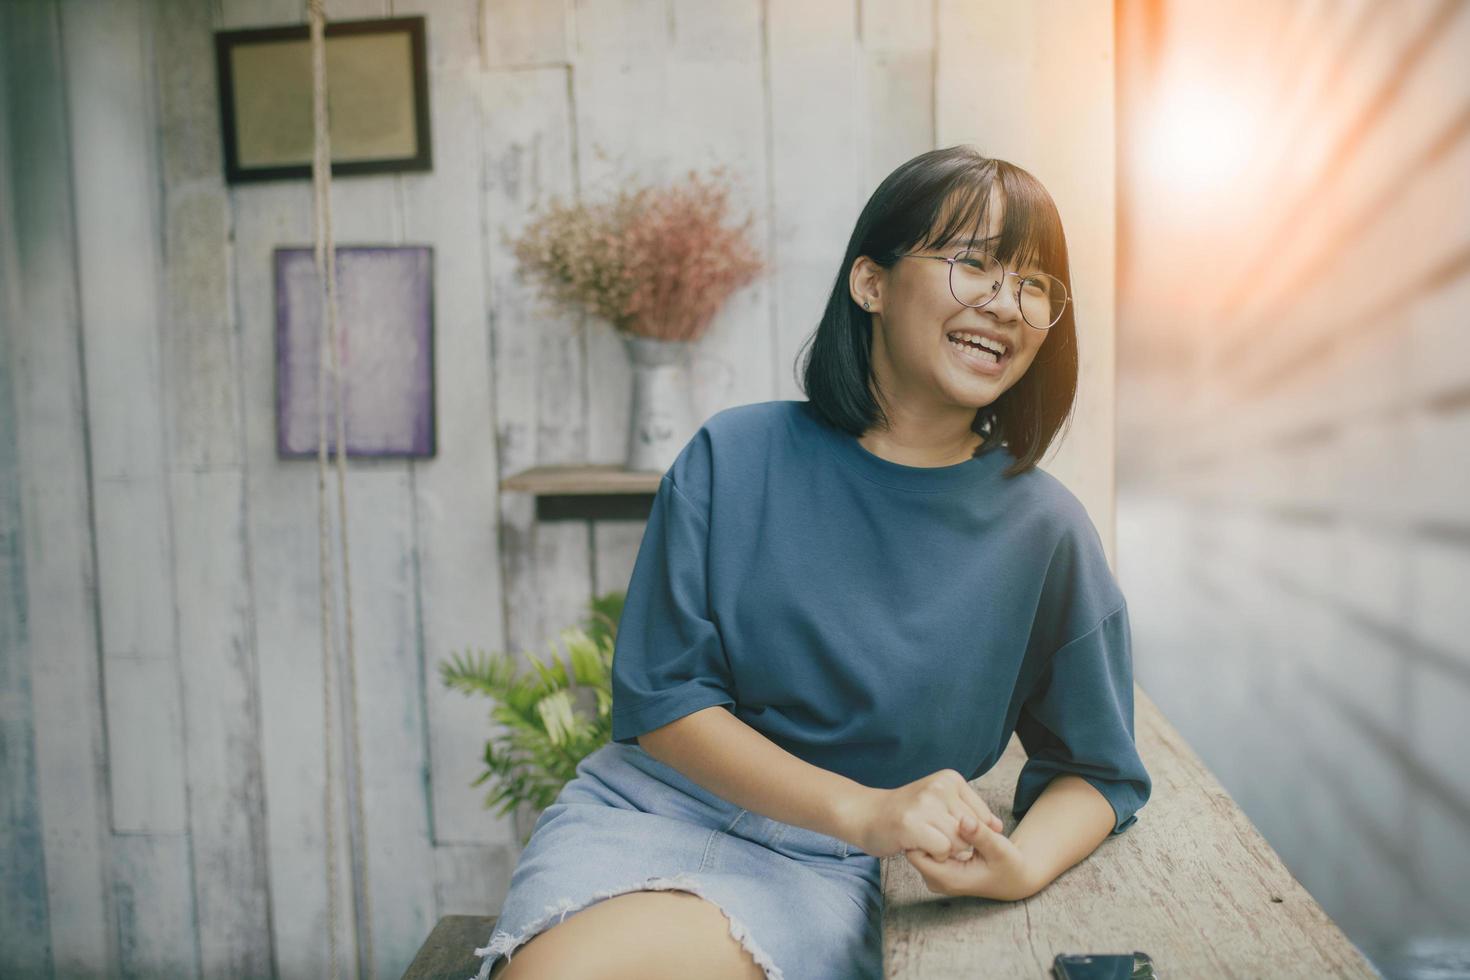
x,y
802,903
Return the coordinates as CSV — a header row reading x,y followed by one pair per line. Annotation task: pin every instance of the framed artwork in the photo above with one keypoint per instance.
x,y
385,335
377,99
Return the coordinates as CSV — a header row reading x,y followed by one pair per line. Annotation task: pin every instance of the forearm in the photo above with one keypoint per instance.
x,y
738,764
1066,823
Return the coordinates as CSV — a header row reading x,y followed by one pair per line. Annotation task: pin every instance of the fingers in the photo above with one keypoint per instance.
x,y
975,819
958,828
961,814
956,816
988,844
982,810
967,797
937,842
968,826
966,820
964,826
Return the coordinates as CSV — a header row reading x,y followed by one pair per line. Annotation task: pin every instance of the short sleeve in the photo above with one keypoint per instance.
x,y
1079,719
668,659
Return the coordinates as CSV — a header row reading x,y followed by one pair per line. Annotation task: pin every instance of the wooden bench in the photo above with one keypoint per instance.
x,y
1193,884
449,952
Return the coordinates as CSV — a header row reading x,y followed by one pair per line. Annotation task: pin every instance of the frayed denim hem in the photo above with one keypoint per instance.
x,y
506,944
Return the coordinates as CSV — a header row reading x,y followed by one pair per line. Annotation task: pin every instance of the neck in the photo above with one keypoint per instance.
x,y
917,439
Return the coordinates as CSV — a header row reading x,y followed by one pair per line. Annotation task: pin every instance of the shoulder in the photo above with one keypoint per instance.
x,y
730,444
737,424
1049,509
1081,587
1063,508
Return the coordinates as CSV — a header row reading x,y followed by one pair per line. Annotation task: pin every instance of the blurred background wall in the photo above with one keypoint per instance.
x,y
162,769
1294,433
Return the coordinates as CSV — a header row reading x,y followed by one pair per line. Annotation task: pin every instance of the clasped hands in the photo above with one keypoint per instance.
x,y
946,831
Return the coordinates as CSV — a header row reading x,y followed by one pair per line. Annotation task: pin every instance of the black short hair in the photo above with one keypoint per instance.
x,y
926,202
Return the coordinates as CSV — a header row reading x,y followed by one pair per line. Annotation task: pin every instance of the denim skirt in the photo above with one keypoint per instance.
x,y
805,905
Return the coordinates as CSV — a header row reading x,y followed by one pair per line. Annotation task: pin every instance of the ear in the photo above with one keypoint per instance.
x,y
865,282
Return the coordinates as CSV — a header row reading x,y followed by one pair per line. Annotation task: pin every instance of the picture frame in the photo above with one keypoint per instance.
x,y
377,98
385,312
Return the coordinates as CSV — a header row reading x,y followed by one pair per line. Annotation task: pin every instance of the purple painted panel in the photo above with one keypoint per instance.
x,y
385,322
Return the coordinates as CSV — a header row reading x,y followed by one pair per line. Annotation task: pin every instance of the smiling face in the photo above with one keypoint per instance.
x,y
922,351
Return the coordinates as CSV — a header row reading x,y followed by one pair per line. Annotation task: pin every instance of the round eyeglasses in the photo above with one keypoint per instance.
x,y
975,278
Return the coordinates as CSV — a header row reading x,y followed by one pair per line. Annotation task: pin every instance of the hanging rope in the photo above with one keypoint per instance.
x,y
326,266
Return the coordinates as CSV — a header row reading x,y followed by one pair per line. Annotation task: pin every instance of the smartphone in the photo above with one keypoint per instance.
x,y
1136,965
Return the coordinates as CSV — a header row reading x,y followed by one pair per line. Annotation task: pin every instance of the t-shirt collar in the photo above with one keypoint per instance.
x,y
851,452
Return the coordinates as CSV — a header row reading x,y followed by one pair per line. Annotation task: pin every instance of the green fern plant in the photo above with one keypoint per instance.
x,y
546,731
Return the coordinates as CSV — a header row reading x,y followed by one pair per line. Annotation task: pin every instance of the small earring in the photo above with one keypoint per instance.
x,y
865,304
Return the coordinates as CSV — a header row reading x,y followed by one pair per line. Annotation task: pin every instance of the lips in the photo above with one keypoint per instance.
x,y
975,360
995,336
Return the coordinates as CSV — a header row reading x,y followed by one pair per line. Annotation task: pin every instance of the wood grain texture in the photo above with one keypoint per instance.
x,y
113,161
582,479
28,47
205,439
281,542
221,721
382,714
151,889
528,158
448,953
457,580
658,91
813,116
1192,883
73,900
472,877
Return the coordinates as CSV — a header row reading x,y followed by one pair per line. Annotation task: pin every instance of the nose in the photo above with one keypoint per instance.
x,y
1005,304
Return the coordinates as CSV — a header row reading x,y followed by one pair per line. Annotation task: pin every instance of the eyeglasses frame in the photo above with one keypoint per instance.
x,y
950,278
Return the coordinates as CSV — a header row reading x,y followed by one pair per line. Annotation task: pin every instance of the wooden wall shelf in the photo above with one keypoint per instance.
x,y
587,492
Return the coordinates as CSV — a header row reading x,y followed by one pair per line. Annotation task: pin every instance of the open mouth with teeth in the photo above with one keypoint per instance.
x,y
985,350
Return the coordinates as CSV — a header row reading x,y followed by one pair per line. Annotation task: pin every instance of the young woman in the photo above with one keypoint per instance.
x,y
841,609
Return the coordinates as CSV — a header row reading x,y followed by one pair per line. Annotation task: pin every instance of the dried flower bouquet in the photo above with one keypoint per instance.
x,y
655,262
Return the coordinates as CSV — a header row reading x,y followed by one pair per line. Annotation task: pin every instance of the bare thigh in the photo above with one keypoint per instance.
x,y
648,935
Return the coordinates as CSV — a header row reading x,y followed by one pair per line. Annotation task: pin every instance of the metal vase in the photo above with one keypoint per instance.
x,y
660,402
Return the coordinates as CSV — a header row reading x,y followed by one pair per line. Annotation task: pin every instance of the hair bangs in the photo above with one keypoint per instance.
x,y
1032,229
1030,233
965,209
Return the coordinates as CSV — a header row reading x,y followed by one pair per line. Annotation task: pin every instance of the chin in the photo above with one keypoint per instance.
x,y
967,396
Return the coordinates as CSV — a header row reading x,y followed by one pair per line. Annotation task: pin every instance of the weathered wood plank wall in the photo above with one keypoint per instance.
x,y
64,914
159,587
1294,434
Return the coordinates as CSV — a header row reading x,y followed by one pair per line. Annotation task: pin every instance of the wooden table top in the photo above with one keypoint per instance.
x,y
1192,883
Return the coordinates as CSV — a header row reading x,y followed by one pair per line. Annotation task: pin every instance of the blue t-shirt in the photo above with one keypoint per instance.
x,y
879,620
